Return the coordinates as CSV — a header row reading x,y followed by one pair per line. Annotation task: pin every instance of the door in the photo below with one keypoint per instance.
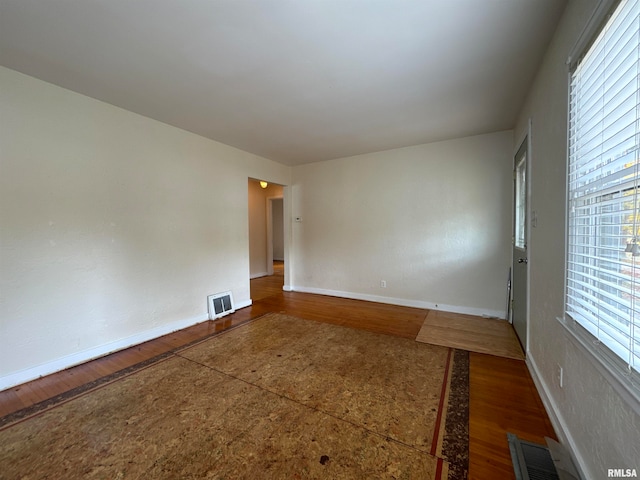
x,y
520,269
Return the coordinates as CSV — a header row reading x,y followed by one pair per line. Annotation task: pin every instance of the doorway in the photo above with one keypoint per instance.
x,y
267,250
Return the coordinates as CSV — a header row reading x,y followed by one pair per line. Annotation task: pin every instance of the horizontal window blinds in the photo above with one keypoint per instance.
x,y
603,241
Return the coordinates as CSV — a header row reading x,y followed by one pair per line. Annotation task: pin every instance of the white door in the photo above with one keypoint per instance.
x,y
520,272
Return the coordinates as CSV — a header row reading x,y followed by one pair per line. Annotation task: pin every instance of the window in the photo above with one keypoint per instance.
x,y
603,236
521,202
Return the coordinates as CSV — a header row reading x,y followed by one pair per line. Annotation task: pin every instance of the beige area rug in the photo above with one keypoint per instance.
x,y
278,397
467,332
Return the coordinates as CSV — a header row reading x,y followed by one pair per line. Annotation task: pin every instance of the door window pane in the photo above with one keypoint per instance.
x,y
521,203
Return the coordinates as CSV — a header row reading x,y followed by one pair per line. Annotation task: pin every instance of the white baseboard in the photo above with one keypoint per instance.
x,y
243,304
480,312
68,361
559,425
287,288
258,275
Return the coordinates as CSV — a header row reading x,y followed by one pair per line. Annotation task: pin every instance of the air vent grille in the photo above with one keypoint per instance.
x,y
531,461
220,304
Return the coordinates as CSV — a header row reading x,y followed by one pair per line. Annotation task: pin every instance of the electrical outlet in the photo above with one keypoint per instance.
x,y
560,376
383,284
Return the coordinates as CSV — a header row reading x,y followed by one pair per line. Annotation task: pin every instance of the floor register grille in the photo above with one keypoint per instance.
x,y
532,461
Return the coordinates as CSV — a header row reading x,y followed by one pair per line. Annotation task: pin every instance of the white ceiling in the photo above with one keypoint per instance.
x,y
295,81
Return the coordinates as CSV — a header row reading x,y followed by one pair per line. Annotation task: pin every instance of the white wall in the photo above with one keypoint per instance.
x,y
113,227
278,229
258,225
433,221
601,428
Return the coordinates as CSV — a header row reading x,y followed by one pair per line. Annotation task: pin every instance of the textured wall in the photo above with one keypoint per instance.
x,y
601,428
278,229
112,225
433,221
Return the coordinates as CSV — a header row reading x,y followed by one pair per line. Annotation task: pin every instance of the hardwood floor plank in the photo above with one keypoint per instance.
x,y
10,402
467,332
376,317
502,398
30,393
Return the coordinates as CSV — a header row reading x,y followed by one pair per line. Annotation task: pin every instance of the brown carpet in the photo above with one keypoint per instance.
x,y
278,397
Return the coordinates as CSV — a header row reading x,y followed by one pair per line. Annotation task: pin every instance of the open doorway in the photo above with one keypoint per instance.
x,y
266,238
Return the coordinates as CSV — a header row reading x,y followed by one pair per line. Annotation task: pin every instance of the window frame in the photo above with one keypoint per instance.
x,y
624,380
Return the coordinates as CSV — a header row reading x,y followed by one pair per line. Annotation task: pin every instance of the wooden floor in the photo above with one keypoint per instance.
x,y
502,395
467,332
503,399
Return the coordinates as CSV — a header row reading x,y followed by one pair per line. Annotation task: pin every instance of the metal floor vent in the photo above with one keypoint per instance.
x,y
539,462
220,304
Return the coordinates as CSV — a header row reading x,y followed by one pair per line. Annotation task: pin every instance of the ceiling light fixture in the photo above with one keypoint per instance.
x,y
263,184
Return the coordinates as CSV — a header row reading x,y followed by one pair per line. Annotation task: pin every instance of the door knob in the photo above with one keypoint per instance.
x,y
523,260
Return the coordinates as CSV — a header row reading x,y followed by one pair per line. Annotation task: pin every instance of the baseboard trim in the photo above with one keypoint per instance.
x,y
243,304
258,275
558,422
403,302
78,358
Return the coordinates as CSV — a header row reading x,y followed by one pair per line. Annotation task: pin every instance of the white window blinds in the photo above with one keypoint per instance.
x,y
603,242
